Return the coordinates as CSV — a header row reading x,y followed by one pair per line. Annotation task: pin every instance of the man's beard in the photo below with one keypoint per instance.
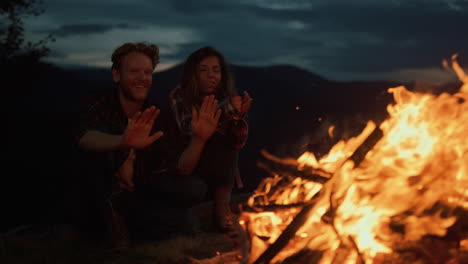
x,y
126,93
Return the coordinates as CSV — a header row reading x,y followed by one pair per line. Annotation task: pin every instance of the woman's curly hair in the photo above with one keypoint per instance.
x,y
188,89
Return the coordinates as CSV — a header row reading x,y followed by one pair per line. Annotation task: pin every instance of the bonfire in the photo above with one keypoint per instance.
x,y
376,198
352,208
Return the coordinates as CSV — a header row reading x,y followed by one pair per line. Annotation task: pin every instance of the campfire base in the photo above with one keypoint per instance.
x,y
428,250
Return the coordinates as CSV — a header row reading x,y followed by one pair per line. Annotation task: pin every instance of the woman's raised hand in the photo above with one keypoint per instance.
x,y
205,120
242,103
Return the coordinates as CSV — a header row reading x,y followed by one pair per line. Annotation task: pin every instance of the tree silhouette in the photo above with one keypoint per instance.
x,y
12,40
18,56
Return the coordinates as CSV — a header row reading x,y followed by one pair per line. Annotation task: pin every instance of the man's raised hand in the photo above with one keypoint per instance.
x,y
137,134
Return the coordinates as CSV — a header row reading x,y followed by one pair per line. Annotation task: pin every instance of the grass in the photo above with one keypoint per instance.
x,y
49,248
53,245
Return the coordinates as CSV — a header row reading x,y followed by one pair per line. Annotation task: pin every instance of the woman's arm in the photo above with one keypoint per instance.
x,y
204,123
189,158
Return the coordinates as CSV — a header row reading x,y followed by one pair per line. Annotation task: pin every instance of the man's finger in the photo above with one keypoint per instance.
x,y
136,118
147,115
155,114
144,116
153,117
156,136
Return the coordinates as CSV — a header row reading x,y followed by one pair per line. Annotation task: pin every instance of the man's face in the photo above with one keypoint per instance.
x,y
209,75
135,76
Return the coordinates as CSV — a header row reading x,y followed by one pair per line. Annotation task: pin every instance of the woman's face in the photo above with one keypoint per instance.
x,y
209,75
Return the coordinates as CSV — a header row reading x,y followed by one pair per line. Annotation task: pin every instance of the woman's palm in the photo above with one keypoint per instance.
x,y
205,120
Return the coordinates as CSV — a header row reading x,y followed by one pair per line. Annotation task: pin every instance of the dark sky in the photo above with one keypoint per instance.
x,y
340,40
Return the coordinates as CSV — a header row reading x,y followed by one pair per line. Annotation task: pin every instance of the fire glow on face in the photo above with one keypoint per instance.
x,y
395,195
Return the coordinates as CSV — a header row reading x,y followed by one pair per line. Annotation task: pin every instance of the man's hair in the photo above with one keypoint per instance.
x,y
189,90
150,50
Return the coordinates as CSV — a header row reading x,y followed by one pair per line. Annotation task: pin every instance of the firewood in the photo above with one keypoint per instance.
x,y
301,217
285,236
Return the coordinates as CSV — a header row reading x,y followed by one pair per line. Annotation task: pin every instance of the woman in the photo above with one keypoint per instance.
x,y
209,127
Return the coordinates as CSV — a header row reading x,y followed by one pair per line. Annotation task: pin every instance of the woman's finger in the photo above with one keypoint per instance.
x,y
194,114
217,116
246,106
204,105
211,106
214,106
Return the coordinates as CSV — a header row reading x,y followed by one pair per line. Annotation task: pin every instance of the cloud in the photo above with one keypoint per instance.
x,y
456,5
82,29
95,49
296,25
282,5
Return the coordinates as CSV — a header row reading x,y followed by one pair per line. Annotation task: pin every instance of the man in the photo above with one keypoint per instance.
x,y
124,181
114,135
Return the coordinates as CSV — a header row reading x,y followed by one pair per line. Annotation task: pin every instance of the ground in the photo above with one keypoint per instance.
x,y
56,244
50,247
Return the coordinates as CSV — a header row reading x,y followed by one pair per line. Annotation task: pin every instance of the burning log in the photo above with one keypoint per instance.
x,y
289,167
285,236
371,140
275,165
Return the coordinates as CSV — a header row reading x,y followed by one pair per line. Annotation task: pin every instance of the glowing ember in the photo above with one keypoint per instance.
x,y
395,195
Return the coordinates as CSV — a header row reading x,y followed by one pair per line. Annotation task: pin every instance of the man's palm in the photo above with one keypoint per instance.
x,y
136,134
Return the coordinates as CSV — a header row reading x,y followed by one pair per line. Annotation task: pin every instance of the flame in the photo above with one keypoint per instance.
x,y
396,194
338,154
331,129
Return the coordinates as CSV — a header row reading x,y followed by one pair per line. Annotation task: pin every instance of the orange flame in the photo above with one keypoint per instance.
x,y
420,163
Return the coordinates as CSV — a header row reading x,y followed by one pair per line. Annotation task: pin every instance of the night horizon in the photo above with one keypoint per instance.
x,y
363,40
